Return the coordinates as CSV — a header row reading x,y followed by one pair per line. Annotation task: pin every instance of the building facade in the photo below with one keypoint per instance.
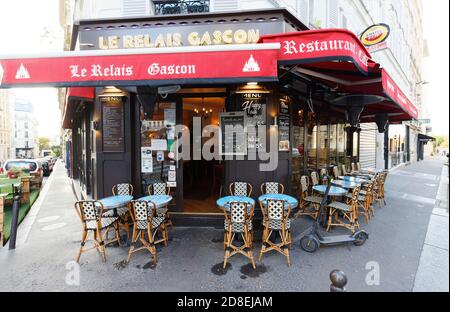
x,y
24,130
5,126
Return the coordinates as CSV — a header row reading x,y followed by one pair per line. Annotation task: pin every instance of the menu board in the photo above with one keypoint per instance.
x,y
284,123
113,124
233,136
254,106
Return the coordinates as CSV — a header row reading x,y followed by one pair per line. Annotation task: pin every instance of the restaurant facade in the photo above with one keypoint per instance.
x,y
149,99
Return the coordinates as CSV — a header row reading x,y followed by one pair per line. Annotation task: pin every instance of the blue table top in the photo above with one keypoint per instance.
x,y
289,199
114,202
334,191
354,179
346,184
158,200
223,202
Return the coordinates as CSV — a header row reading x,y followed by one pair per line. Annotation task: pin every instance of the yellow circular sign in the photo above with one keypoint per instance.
x,y
375,34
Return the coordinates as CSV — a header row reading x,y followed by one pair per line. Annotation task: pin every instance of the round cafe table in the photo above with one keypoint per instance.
x,y
334,190
117,203
286,198
354,179
224,202
348,185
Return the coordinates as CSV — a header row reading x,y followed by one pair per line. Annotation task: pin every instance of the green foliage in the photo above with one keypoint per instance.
x,y
44,143
57,150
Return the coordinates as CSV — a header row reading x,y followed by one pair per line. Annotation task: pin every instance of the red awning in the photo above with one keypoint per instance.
x,y
185,65
75,95
337,59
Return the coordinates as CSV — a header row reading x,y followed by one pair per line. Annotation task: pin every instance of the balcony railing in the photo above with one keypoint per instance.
x,y
181,7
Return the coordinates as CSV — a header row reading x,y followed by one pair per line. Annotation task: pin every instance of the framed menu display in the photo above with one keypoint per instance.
x,y
254,105
113,124
284,124
233,143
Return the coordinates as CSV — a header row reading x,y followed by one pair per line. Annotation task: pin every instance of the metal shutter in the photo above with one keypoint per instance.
x,y
225,5
368,145
135,7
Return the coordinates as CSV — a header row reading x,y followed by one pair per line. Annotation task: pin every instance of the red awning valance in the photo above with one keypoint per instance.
x,y
75,95
187,65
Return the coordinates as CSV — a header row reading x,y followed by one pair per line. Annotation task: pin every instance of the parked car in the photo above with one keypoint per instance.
x,y
31,166
46,166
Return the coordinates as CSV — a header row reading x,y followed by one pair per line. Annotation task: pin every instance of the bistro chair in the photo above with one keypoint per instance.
x,y
344,170
161,188
358,166
146,224
323,173
314,178
354,168
92,218
379,188
276,220
238,221
336,172
120,190
242,189
272,188
347,212
309,205
365,202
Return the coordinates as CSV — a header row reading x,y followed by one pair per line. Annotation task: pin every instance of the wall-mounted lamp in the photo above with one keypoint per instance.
x,y
251,87
111,91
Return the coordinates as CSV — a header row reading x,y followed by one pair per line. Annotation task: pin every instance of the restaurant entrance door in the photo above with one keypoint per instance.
x,y
202,177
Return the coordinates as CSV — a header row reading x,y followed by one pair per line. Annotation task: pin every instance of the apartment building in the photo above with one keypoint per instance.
x,y
5,126
24,130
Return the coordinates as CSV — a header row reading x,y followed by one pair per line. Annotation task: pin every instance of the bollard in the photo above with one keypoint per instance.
x,y
15,218
338,281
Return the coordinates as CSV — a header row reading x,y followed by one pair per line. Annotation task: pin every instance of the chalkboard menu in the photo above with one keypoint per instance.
x,y
254,106
284,123
233,136
113,124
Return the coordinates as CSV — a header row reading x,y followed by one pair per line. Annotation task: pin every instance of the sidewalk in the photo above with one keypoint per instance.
x,y
49,240
433,272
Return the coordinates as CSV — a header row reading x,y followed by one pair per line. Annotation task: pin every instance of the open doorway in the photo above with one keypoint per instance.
x,y
202,179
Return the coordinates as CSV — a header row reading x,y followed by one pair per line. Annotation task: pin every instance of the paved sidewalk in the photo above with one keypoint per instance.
x,y
433,272
50,238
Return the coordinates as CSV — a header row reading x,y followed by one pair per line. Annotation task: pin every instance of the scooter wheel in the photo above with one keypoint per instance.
x,y
360,238
309,244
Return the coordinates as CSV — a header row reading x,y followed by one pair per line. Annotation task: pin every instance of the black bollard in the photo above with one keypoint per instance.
x,y
15,219
338,281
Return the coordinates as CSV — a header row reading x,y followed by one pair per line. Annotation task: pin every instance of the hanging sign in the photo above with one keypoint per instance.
x,y
146,160
375,36
113,124
284,123
254,106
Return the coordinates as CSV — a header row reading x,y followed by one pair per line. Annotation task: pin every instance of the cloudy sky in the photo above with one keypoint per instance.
x,y
24,22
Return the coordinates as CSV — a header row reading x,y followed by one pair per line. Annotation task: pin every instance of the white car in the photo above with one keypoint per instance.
x,y
31,166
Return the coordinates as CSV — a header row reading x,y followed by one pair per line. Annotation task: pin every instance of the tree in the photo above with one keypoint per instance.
x,y
44,143
56,149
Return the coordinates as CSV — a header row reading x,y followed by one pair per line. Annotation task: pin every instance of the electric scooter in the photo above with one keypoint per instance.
x,y
312,241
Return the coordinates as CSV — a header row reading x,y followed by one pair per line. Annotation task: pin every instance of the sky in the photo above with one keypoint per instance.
x,y
22,23
21,30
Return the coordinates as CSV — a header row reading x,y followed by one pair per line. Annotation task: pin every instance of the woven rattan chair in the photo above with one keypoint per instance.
x,y
161,188
309,205
241,189
365,202
146,224
238,221
272,188
336,172
344,170
315,178
379,189
276,220
123,213
344,215
92,220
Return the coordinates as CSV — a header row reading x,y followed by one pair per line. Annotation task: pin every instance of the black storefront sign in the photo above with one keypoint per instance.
x,y
233,144
254,105
284,122
113,124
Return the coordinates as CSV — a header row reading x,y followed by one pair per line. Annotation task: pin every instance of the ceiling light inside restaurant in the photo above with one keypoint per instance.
x,y
251,87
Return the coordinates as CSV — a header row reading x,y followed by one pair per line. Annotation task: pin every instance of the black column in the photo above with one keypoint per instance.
x,y
386,148
408,146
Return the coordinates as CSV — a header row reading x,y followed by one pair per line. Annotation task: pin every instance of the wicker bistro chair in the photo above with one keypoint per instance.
x,y
379,188
365,202
323,173
309,205
344,170
241,189
238,221
122,213
92,217
358,166
146,224
276,219
336,172
315,178
161,188
272,188
349,213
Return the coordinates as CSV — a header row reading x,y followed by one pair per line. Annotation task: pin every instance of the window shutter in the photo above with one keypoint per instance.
x,y
135,7
225,5
333,13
